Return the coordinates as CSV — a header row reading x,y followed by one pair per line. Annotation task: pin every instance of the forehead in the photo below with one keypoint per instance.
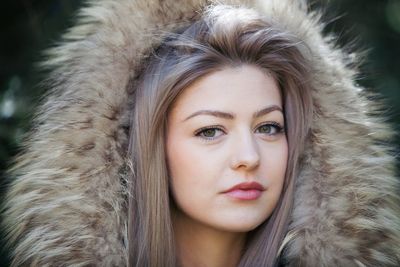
x,y
241,88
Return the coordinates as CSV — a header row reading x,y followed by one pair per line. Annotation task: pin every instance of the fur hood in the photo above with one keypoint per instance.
x,y
66,205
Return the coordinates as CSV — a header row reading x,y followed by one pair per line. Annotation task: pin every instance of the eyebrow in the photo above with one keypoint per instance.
x,y
230,116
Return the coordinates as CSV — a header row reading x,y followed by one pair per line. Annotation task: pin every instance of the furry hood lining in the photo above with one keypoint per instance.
x,y
67,202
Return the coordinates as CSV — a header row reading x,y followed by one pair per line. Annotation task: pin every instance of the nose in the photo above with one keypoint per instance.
x,y
245,153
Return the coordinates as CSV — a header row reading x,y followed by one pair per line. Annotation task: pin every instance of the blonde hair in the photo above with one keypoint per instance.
x,y
223,37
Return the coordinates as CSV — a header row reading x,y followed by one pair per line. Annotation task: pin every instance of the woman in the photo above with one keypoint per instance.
x,y
178,133
214,69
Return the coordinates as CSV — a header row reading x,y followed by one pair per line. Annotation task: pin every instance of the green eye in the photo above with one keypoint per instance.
x,y
270,129
209,133
266,129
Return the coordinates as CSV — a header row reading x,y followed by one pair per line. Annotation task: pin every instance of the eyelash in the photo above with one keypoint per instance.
x,y
277,126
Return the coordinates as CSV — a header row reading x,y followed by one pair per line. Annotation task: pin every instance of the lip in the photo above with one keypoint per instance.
x,y
245,191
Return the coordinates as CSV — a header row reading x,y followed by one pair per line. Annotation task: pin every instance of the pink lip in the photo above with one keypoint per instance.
x,y
246,191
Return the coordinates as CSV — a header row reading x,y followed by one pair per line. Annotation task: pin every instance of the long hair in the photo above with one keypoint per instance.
x,y
224,37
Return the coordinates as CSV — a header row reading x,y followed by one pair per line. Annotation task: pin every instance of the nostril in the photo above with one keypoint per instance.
x,y
246,160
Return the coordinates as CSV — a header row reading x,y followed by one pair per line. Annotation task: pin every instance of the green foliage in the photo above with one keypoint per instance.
x,y
27,28
373,27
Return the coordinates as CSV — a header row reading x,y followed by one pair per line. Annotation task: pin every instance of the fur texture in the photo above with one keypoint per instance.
x,y
67,201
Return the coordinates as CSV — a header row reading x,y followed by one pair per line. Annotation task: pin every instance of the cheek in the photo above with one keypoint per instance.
x,y
184,175
188,169
274,165
279,159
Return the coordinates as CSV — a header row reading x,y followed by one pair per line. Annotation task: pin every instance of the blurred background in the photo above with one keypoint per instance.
x,y
30,26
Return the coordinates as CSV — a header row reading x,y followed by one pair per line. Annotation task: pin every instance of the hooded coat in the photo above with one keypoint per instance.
x,y
67,201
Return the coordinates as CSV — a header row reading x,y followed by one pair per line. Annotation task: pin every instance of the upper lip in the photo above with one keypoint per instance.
x,y
246,186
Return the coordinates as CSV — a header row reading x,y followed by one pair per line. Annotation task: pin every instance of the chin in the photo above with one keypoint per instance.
x,y
242,225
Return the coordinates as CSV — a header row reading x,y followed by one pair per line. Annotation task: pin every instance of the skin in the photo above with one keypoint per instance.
x,y
211,226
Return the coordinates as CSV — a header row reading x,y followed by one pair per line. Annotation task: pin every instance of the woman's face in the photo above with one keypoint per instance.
x,y
226,149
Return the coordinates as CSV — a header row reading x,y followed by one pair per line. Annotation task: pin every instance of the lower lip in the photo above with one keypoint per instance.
x,y
245,194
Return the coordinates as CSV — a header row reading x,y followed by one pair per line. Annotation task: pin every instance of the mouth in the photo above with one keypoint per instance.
x,y
245,191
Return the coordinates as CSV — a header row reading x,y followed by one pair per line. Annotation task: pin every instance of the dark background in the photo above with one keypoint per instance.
x,y
28,27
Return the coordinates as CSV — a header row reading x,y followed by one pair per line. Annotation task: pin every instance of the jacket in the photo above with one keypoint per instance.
x,y
67,202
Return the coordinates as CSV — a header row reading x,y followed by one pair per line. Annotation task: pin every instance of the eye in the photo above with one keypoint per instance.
x,y
270,128
209,133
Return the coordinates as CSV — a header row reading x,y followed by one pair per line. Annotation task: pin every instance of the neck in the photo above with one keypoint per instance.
x,y
199,245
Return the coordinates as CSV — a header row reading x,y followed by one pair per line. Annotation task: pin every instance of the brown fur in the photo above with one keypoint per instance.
x,y
67,202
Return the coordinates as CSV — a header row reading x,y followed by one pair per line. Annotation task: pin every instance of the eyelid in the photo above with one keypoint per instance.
x,y
277,124
209,139
219,127
280,129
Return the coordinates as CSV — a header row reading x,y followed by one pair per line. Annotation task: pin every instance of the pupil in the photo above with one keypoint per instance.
x,y
265,128
209,132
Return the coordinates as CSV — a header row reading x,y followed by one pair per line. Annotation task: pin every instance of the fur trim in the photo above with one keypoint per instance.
x,y
67,202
